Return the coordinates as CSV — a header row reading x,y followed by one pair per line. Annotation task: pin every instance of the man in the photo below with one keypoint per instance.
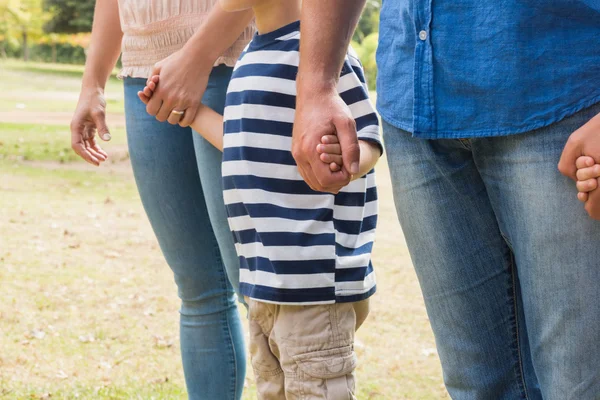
x,y
479,102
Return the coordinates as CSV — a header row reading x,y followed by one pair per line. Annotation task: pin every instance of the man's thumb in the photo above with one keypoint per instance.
x,y
568,160
346,133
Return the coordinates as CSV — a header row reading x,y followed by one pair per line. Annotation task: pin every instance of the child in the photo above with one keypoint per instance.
x,y
305,256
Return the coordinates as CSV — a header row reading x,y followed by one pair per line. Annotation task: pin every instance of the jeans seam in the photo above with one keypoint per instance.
x,y
226,311
233,361
227,326
521,375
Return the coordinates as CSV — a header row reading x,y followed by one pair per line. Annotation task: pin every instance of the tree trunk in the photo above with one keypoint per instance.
x,y
25,46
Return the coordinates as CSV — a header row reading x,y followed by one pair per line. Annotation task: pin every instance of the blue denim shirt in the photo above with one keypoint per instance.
x,y
472,68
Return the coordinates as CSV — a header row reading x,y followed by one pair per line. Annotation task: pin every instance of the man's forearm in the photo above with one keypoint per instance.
x,y
220,30
326,30
105,44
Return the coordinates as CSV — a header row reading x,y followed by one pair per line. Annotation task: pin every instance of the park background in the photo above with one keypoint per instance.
x,y
88,306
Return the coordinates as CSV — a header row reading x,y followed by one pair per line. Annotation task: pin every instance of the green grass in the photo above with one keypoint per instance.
x,y
131,390
48,87
38,142
89,306
75,71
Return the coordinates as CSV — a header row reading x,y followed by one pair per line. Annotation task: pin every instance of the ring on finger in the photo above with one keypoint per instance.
x,y
177,112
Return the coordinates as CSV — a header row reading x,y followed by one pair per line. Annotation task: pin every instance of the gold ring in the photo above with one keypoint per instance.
x,y
176,112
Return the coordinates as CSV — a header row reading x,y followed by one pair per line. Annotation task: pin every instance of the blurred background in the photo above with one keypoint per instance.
x,y
88,307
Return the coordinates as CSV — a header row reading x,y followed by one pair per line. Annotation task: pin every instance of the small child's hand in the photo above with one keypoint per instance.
x,y
588,174
330,152
148,90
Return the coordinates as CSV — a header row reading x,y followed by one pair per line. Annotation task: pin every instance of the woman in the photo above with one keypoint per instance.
x,y
176,171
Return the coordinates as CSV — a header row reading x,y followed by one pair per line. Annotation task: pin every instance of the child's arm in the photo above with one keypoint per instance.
x,y
330,152
369,155
207,122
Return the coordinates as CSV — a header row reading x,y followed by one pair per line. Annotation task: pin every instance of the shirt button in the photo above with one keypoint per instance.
x,y
423,35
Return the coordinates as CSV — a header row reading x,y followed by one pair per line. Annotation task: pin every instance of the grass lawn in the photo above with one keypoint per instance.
x,y
88,306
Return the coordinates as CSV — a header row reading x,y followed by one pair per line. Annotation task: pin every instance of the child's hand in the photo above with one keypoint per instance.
x,y
330,152
588,173
149,89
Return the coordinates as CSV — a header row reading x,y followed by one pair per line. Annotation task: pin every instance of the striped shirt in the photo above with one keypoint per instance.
x,y
295,245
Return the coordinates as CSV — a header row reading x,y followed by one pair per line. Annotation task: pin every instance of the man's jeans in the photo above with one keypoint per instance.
x,y
508,261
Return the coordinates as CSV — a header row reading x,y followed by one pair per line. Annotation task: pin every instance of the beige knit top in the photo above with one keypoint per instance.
x,y
154,29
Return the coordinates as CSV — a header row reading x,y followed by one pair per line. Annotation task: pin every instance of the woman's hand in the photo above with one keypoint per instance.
x,y
183,81
90,114
89,118
184,74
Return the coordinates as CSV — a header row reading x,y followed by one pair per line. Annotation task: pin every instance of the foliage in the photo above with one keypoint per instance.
x,y
366,52
70,16
24,19
369,21
365,40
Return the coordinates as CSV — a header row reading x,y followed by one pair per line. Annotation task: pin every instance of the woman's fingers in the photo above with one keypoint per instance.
x,y
79,146
154,105
174,117
82,152
95,150
188,117
149,89
145,99
583,197
164,112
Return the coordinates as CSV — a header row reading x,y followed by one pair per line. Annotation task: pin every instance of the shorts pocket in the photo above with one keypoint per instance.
x,y
327,364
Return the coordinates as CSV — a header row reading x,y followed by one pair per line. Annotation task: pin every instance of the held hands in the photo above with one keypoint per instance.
x,y
580,154
146,94
588,177
329,150
319,115
183,83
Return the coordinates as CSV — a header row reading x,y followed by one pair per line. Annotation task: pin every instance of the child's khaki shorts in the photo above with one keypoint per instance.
x,y
304,352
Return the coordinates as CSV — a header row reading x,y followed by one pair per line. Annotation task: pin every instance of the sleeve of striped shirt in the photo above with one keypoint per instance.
x,y
352,88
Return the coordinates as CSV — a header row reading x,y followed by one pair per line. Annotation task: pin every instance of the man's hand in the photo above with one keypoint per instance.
x,y
183,81
585,141
319,114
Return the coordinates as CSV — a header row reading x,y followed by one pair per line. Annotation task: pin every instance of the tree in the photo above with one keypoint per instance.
x,y
70,16
369,21
25,18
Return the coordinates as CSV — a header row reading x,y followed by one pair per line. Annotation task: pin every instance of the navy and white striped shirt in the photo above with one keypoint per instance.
x,y
295,245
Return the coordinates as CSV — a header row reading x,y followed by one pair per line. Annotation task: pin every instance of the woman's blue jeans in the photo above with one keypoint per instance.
x,y
178,175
